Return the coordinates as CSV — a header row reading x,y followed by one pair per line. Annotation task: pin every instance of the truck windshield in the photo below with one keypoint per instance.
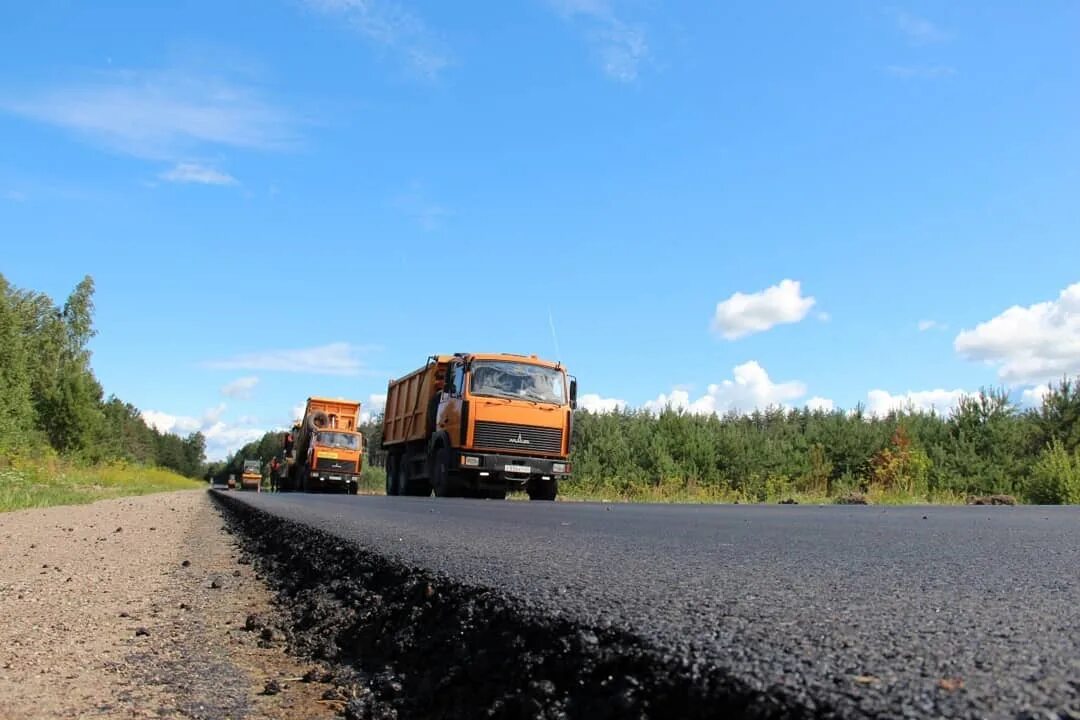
x,y
251,466
346,441
518,380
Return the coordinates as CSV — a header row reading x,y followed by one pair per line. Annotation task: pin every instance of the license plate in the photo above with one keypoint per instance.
x,y
335,477
517,468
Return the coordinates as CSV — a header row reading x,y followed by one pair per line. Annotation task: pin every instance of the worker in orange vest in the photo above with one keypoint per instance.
x,y
274,465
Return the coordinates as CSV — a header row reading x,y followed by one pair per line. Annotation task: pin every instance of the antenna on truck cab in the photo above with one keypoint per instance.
x,y
554,336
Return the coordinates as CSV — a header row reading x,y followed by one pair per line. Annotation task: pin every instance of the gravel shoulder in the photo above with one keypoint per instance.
x,y
141,608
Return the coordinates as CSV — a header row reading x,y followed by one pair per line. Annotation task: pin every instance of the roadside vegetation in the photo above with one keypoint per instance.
x,y
987,446
61,439
65,483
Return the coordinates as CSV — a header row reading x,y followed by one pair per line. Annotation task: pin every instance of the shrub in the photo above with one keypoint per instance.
x,y
1055,477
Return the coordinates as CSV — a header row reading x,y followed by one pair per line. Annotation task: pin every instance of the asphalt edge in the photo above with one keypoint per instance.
x,y
432,647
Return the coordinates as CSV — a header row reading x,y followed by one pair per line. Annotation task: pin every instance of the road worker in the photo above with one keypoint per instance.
x,y
274,466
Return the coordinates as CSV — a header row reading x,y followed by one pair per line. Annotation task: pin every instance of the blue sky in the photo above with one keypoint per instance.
x,y
717,205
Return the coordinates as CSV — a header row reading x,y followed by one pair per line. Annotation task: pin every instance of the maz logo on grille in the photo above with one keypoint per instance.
x,y
519,440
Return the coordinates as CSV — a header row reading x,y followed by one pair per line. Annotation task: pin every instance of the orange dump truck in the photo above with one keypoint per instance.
x,y
479,425
328,450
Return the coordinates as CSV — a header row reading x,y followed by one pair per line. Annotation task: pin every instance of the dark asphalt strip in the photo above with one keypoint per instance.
x,y
435,648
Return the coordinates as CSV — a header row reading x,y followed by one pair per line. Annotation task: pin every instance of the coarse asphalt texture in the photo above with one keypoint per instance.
x,y
839,611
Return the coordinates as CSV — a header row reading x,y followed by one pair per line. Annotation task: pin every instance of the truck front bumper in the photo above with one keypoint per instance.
x,y
335,479
514,469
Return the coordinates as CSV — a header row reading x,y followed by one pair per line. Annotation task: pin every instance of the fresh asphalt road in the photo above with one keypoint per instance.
x,y
857,611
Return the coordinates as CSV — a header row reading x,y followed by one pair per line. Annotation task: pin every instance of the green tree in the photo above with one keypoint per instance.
x,y
16,404
1058,416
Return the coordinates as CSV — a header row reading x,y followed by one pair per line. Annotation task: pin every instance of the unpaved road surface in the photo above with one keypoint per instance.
x,y
481,608
136,608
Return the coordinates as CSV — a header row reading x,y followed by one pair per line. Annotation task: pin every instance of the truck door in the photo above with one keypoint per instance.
x,y
450,418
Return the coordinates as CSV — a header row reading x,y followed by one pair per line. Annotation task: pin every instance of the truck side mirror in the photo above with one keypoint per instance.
x,y
573,393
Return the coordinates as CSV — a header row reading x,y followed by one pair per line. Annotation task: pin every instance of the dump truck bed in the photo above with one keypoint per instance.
x,y
343,413
408,402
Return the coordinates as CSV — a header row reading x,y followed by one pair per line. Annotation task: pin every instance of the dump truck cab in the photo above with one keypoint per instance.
x,y
480,425
334,458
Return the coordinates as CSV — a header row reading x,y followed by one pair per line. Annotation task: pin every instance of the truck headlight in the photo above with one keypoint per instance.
x,y
558,467
470,461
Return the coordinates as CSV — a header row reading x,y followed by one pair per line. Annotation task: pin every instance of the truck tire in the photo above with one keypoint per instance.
x,y
392,487
444,480
318,420
408,485
543,489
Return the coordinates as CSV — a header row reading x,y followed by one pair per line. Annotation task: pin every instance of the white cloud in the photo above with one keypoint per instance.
x,y
240,388
917,29
820,403
161,115
925,325
390,26
222,438
880,402
1032,344
375,404
744,314
619,46
1033,396
597,404
166,423
929,72
214,414
750,389
190,172
338,358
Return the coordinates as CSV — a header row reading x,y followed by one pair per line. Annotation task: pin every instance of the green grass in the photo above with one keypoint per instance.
x,y
697,495
373,482
59,483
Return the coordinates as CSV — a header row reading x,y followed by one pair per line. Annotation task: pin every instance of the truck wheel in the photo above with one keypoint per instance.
x,y
415,487
543,489
392,487
444,480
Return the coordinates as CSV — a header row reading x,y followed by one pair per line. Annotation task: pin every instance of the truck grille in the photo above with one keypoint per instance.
x,y
518,438
332,465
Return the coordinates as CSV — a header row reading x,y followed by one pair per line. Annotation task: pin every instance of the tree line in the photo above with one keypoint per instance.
x,y
987,445
50,400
